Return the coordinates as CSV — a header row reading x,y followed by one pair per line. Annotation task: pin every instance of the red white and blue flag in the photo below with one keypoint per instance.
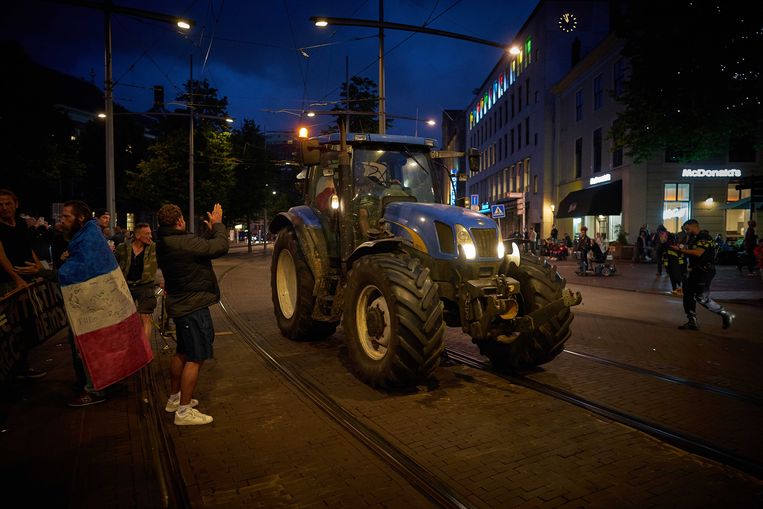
x,y
107,327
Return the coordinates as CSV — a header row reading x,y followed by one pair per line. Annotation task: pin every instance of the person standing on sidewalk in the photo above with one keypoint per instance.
x,y
18,264
137,259
673,261
696,286
186,264
584,246
750,242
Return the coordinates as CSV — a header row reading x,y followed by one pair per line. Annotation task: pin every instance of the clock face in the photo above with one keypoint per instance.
x,y
567,22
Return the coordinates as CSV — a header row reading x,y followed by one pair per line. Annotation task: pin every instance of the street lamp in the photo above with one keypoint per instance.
x,y
323,21
108,87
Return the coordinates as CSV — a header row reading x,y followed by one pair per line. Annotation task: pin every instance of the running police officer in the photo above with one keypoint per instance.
x,y
700,251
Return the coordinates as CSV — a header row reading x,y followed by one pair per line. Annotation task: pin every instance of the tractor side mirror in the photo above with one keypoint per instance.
x,y
311,152
474,160
301,183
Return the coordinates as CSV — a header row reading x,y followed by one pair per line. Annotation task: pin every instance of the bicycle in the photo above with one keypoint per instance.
x,y
162,322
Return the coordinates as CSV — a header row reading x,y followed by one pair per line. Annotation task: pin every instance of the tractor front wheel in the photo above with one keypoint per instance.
x,y
539,285
292,283
393,320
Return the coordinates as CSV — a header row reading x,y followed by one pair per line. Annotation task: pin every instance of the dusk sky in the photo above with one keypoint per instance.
x,y
249,51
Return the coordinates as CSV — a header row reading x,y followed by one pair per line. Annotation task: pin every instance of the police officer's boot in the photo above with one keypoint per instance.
x,y
727,318
691,324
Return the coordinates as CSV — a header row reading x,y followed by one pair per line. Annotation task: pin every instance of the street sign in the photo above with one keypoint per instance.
x,y
497,211
475,200
516,195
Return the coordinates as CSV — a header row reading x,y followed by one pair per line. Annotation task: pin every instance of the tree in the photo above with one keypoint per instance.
x,y
251,171
694,83
163,176
363,97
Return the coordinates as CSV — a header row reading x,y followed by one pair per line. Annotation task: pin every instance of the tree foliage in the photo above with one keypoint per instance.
x,y
164,175
363,94
694,83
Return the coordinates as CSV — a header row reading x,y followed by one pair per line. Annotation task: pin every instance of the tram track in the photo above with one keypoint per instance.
x,y
675,438
416,474
728,393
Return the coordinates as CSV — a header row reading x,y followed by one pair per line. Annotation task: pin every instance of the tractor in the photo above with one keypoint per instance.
x,y
375,247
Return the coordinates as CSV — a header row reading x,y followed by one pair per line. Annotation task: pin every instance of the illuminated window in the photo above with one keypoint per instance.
x,y
676,208
535,184
529,49
734,194
513,72
130,221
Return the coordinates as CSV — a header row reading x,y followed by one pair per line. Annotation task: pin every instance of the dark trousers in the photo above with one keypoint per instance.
x,y
696,287
79,368
676,271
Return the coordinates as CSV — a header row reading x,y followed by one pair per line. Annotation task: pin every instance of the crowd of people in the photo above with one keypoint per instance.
x,y
68,253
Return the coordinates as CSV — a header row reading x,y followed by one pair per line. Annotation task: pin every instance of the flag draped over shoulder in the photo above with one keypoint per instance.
x,y
108,330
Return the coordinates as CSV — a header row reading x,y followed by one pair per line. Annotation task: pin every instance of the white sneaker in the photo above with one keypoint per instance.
x,y
192,417
172,406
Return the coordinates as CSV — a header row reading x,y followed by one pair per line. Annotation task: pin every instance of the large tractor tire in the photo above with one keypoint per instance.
x,y
540,284
291,283
393,320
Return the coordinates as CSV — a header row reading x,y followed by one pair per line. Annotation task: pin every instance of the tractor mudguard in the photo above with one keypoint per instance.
x,y
374,246
312,241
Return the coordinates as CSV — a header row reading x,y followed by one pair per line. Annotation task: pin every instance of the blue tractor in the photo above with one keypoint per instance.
x,y
375,248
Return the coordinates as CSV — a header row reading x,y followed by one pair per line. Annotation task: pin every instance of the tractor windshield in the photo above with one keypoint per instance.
x,y
387,170
385,173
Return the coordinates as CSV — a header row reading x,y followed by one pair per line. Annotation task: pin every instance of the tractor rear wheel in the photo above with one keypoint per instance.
x,y
539,284
393,320
291,283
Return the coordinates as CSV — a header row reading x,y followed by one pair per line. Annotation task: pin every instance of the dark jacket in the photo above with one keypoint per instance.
x,y
123,252
186,263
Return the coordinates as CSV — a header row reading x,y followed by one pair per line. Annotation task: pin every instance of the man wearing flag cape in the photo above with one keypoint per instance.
x,y
109,334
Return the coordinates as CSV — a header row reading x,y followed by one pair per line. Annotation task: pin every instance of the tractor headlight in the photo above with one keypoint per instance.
x,y
501,247
514,255
465,242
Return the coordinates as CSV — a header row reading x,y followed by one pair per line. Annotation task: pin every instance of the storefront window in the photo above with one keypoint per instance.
x,y
736,220
676,206
735,194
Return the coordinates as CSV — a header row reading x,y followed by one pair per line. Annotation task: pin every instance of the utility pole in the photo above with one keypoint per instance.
x,y
382,98
191,208
108,86
108,8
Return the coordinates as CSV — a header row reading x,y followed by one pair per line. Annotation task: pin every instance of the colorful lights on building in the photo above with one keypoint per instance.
x,y
501,84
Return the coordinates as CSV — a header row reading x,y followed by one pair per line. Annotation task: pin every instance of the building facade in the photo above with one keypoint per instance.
x,y
511,121
542,124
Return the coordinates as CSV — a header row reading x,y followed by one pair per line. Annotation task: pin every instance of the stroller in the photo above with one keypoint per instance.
x,y
598,263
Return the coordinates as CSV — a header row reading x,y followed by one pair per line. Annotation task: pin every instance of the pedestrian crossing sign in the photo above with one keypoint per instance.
x,y
497,211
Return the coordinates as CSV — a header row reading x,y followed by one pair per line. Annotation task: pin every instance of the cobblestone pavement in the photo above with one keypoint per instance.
x,y
501,445
496,444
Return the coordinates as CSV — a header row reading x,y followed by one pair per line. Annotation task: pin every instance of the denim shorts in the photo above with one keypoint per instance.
x,y
195,335
144,297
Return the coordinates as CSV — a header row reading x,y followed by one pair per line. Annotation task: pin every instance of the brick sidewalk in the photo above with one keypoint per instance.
x,y
270,447
728,285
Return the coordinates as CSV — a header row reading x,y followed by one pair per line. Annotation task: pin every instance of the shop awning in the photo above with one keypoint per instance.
x,y
744,203
605,200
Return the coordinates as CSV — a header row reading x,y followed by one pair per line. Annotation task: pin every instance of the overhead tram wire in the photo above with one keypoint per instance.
x,y
376,60
215,22
294,43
